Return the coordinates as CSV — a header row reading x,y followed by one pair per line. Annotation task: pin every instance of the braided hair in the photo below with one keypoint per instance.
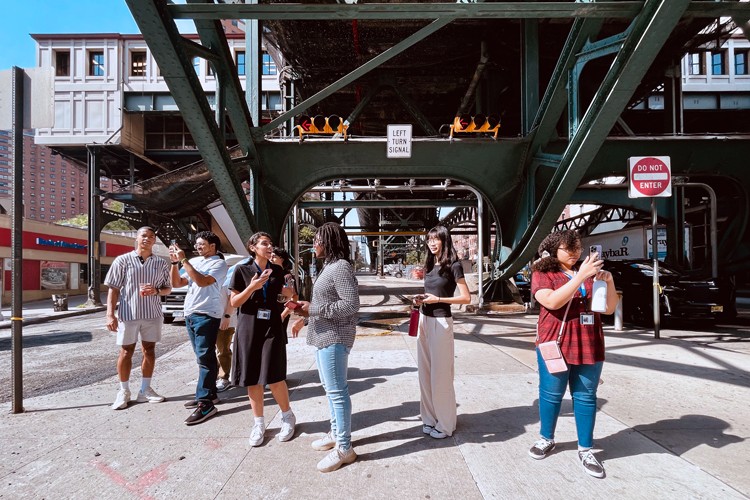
x,y
569,238
334,241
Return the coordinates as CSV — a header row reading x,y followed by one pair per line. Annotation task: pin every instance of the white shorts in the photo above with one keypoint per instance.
x,y
150,330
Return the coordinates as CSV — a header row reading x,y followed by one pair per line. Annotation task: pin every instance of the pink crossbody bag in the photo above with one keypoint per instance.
x,y
550,351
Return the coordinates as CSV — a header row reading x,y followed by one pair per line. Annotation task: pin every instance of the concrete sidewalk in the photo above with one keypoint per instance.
x,y
40,311
673,423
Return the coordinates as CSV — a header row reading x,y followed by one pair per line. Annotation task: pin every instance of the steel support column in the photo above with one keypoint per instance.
x,y
94,229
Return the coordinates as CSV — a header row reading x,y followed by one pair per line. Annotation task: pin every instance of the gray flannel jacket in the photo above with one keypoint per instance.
x,y
334,306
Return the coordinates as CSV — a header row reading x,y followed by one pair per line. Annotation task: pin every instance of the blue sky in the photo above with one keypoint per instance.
x,y
22,17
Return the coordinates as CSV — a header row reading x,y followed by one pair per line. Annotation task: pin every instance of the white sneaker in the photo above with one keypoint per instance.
x,y
325,443
122,399
336,458
222,385
149,396
427,429
287,427
257,435
436,434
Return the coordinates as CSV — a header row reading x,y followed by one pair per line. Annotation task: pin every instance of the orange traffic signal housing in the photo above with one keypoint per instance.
x,y
321,125
477,124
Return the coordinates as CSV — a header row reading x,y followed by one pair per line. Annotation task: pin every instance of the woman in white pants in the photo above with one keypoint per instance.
x,y
443,274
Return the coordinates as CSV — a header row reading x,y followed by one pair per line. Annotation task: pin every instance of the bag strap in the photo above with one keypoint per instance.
x,y
562,326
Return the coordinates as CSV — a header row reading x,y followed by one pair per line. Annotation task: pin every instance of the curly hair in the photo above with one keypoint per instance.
x,y
447,253
334,241
547,251
210,238
254,239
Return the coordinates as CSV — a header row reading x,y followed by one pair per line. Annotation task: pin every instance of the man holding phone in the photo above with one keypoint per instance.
x,y
204,307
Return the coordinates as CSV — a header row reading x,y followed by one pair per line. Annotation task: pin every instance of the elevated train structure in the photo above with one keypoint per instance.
x,y
569,82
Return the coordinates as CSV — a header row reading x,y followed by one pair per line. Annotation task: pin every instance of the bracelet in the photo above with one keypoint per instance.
x,y
183,260
227,316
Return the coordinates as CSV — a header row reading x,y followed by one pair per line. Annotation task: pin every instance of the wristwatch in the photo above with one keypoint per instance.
x,y
227,316
175,262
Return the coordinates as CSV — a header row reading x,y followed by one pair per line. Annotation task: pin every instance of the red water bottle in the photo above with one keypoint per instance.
x,y
414,322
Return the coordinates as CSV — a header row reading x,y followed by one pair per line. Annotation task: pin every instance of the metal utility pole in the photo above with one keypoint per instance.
x,y
95,211
17,244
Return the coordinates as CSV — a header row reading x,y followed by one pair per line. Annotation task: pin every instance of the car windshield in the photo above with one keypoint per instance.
x,y
648,269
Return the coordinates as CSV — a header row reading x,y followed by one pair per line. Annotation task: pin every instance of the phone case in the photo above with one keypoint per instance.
x,y
292,305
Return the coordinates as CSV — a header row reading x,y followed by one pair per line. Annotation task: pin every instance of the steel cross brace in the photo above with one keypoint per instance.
x,y
650,30
168,48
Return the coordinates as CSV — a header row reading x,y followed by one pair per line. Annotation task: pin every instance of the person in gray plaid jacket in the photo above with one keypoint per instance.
x,y
332,325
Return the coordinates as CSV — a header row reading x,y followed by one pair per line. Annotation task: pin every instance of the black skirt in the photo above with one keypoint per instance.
x,y
259,351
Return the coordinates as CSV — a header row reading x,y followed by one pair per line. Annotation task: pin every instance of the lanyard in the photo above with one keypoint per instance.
x,y
581,288
265,285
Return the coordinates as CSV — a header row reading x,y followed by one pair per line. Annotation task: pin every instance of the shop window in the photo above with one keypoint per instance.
x,y
54,275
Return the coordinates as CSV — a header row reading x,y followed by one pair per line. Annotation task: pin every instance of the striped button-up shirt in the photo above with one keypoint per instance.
x,y
126,274
334,306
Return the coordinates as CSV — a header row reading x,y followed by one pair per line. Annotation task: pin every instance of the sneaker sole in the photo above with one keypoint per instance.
x,y
154,400
121,407
285,438
337,466
323,447
255,444
427,432
205,417
592,473
541,457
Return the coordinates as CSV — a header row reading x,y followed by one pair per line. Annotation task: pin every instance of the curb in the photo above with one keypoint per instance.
x,y
41,319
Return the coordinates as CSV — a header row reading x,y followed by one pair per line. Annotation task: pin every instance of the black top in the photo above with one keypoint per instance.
x,y
244,273
441,285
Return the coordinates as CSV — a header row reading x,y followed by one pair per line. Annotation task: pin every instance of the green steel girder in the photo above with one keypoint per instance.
x,y
650,30
362,70
168,49
386,203
494,10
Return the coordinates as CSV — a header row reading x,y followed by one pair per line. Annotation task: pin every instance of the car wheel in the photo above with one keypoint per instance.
x,y
168,319
399,274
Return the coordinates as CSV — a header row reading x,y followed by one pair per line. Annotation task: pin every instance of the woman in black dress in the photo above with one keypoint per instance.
x,y
260,341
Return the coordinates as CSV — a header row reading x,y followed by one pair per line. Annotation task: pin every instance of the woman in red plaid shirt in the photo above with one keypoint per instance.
x,y
558,280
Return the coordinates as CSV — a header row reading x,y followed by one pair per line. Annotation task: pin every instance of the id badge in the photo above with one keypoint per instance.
x,y
263,314
587,318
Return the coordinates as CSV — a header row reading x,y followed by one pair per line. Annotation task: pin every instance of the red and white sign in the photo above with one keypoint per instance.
x,y
649,176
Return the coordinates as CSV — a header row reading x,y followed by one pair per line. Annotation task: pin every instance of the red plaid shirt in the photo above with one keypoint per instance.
x,y
581,344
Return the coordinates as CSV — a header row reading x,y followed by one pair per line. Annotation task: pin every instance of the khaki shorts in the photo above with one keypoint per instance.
x,y
150,330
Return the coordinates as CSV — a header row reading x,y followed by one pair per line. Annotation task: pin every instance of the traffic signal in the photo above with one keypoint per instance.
x,y
321,125
477,124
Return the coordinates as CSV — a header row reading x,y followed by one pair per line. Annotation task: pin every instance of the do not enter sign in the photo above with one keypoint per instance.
x,y
650,176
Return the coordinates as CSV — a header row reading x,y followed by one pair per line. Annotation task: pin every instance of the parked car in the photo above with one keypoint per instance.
x,y
173,305
681,296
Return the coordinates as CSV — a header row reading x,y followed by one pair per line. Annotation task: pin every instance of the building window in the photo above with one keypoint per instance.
x,y
740,63
138,63
209,69
240,60
62,63
695,63
717,62
197,65
269,67
96,63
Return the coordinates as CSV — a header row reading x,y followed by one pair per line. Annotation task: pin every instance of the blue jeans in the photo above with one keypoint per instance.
x,y
203,330
583,381
333,362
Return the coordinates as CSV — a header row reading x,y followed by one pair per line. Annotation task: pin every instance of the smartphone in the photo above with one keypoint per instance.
x,y
596,249
265,273
292,305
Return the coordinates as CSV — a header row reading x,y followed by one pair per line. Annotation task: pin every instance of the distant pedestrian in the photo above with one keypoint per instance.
x,y
135,281
435,345
332,326
260,341
281,257
204,309
563,288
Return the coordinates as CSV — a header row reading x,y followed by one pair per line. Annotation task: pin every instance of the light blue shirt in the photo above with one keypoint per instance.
x,y
207,299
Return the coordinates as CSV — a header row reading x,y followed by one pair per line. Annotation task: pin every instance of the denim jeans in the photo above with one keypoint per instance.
x,y
333,362
583,381
202,330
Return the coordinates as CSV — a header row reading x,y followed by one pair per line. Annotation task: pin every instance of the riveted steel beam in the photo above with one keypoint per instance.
x,y
386,203
365,68
494,10
649,32
168,49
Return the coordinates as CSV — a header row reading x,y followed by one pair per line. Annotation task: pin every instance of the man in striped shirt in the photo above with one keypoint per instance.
x,y
135,281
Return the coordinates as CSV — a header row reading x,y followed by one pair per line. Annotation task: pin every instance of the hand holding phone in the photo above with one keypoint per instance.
x,y
266,273
291,305
596,249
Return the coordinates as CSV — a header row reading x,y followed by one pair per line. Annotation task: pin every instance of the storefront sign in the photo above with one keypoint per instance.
x,y
60,244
